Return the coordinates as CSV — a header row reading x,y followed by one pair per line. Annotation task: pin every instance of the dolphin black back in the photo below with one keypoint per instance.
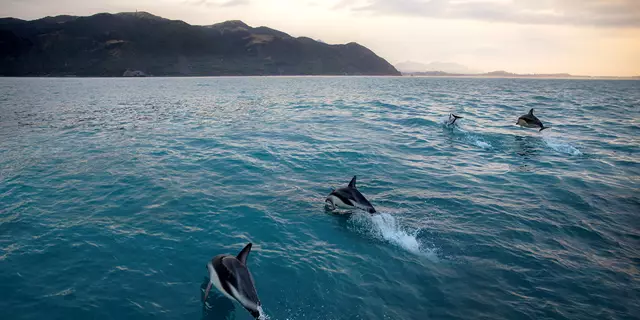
x,y
359,198
238,276
530,118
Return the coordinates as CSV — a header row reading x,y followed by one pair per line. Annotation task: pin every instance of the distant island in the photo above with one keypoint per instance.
x,y
139,44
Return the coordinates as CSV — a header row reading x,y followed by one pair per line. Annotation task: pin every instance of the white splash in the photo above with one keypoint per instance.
x,y
468,137
385,227
388,229
562,147
262,316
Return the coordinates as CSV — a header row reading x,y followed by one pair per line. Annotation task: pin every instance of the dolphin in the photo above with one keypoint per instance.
x,y
231,276
452,119
530,121
348,197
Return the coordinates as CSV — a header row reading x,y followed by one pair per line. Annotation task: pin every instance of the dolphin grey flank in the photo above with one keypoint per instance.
x,y
348,198
530,121
231,276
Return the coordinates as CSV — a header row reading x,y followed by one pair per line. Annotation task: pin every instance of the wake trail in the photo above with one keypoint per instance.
x,y
468,136
561,146
385,227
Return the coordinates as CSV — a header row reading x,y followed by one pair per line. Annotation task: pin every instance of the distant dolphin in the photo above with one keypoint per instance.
x,y
231,276
348,198
530,121
452,119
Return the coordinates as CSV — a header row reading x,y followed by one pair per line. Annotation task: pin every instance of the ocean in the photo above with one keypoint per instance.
x,y
115,193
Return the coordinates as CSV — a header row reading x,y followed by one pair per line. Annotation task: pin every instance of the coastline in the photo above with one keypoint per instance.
x,y
349,76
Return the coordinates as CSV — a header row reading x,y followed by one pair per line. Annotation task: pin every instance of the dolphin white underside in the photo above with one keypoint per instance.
x,y
213,276
524,123
338,203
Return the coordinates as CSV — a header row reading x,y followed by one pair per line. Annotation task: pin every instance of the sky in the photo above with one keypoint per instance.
x,y
581,37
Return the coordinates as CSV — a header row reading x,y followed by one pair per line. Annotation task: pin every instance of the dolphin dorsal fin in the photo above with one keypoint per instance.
x,y
352,184
242,256
531,112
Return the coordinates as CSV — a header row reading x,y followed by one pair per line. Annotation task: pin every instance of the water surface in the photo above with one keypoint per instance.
x,y
114,194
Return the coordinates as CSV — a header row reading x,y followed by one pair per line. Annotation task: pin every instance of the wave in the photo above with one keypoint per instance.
x,y
385,227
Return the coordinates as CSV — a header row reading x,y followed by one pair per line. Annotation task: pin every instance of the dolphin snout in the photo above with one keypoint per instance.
x,y
329,204
372,210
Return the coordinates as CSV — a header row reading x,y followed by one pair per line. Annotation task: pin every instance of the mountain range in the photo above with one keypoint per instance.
x,y
450,69
139,44
503,74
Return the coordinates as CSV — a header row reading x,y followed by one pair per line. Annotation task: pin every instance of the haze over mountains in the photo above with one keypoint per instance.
x,y
448,67
139,43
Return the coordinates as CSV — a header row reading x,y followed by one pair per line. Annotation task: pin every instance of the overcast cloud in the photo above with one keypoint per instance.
x,y
213,3
604,13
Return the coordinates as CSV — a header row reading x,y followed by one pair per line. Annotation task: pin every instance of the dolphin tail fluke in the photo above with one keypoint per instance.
x,y
242,256
457,117
352,184
543,128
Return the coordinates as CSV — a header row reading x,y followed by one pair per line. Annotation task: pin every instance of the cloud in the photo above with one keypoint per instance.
x,y
210,3
234,3
600,13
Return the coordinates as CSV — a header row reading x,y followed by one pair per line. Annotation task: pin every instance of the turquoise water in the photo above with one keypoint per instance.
x,y
114,194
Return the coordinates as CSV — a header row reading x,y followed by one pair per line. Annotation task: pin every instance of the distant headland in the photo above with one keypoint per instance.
x,y
505,74
141,44
450,69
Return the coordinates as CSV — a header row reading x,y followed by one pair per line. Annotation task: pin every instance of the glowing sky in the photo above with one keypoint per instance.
x,y
584,37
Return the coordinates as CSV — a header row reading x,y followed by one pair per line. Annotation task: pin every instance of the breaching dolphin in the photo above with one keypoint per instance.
x,y
452,119
530,121
348,198
231,276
